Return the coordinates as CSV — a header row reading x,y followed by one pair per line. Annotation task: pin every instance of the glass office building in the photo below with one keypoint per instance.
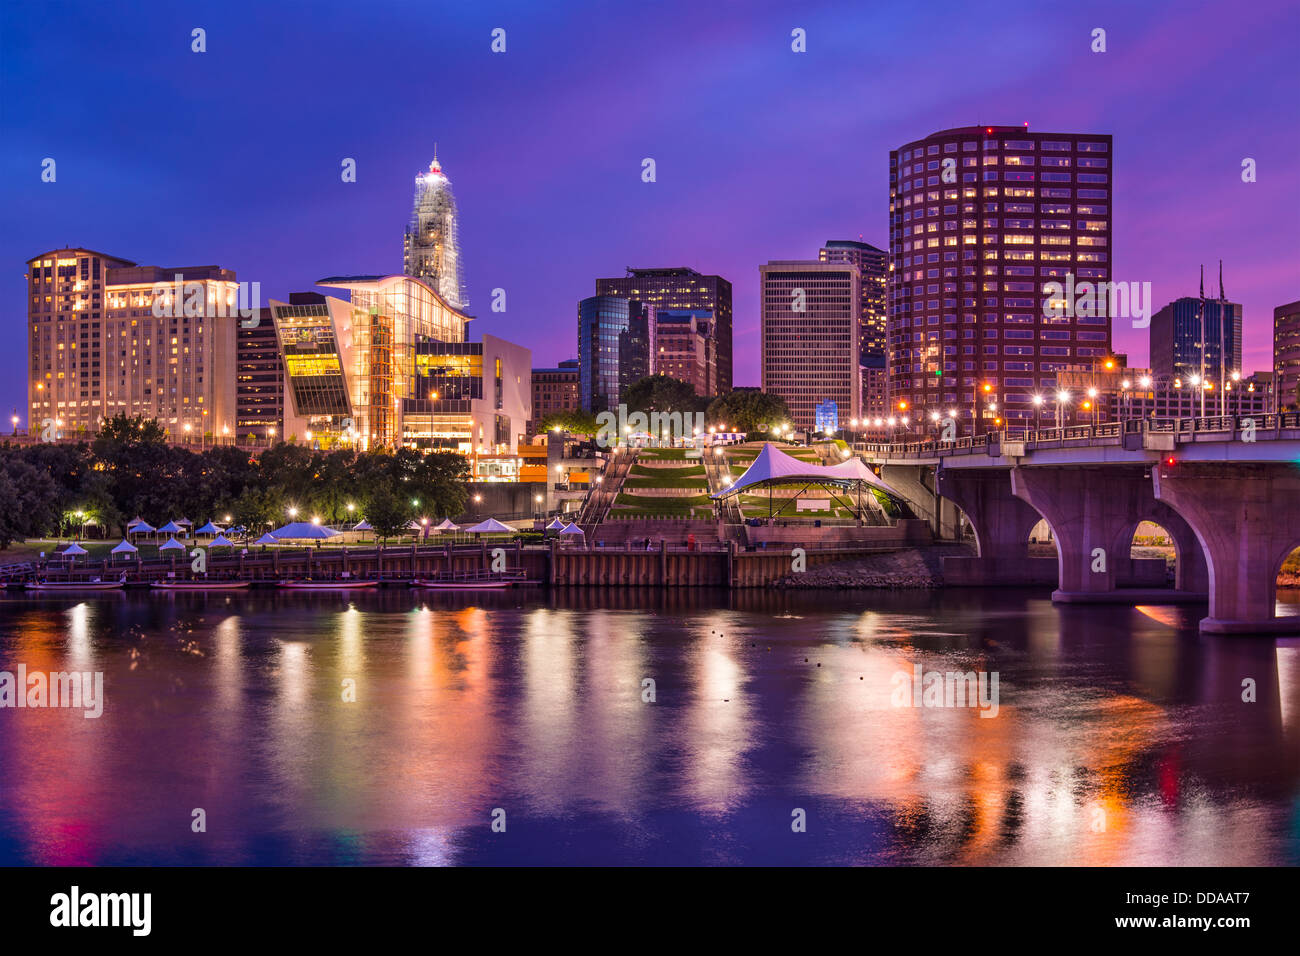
x,y
615,341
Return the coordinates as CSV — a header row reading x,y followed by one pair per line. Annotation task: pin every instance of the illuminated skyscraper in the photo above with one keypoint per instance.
x,y
431,250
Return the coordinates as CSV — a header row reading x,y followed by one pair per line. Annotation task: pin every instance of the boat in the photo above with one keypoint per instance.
x,y
343,585
201,585
463,585
472,581
76,585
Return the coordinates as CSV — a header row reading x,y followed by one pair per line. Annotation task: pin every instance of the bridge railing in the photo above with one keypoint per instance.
x,y
1108,433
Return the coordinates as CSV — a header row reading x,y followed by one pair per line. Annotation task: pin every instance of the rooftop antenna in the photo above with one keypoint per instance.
x,y
1222,297
1202,280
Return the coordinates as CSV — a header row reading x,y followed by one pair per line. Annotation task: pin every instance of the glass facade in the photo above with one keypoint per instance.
x,y
431,248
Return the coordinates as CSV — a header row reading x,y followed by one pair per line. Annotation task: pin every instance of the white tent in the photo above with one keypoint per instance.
x,y
171,527
555,525
490,526
304,529
221,541
446,524
774,465
362,525
126,547
74,549
209,528
266,539
414,525
140,526
571,529
171,544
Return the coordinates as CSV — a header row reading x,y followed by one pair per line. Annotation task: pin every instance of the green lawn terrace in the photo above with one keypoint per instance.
x,y
664,483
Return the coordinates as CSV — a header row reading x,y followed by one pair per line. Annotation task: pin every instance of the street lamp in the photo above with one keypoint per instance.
x,y
1092,394
1038,412
1062,397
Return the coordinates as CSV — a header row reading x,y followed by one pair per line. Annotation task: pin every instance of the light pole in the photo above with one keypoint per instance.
x,y
1092,396
1038,412
1062,397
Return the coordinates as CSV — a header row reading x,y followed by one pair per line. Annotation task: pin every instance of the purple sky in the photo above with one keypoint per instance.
x,y
233,156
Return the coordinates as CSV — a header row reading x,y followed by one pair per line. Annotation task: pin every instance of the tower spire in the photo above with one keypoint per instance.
x,y
1222,297
1202,280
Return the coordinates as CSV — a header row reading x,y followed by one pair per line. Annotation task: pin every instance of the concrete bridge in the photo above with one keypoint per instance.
x,y
1226,489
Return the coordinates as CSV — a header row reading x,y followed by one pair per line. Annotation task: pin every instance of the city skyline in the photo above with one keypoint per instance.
x,y
287,219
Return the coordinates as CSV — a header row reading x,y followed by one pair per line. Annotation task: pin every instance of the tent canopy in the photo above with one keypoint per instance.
x,y
490,526
126,547
446,524
266,539
171,544
362,525
140,526
773,466
571,529
304,529
209,528
555,525
74,549
171,527
221,541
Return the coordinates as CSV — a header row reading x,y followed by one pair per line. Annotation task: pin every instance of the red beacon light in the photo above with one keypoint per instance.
x,y
1171,461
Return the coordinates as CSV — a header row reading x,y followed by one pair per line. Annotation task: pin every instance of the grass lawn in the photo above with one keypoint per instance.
x,y
645,506
663,454
699,483
690,471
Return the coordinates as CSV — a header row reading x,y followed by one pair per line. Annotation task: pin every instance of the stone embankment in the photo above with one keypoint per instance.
x,y
906,568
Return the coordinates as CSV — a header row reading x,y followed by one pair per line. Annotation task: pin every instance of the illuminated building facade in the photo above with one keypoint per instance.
x,y
392,367
873,269
555,390
810,336
1286,354
615,342
683,288
684,344
431,246
259,379
106,336
982,218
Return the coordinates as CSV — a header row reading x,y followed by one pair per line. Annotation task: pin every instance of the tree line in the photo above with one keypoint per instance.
x,y
128,469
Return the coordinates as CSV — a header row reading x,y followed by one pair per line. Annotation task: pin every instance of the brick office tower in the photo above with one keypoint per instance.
x,y
982,218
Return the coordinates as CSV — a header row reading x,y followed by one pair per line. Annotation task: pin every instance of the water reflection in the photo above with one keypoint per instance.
x,y
645,727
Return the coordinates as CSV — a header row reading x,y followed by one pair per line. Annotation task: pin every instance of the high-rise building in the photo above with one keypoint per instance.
x,y
393,367
875,388
615,341
982,219
259,378
684,346
555,390
1197,336
1286,354
107,336
683,288
873,266
431,249
810,336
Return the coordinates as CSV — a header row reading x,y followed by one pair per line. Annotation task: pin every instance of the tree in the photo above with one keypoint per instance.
x,y
661,393
28,499
387,513
748,410
575,421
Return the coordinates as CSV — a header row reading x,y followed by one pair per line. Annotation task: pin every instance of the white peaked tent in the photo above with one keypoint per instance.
x,y
221,541
446,524
775,467
304,529
126,547
362,525
73,550
266,539
555,525
171,527
209,528
490,526
571,529
414,525
171,544
140,526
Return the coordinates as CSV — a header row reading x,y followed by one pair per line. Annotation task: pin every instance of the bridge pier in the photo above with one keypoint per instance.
x,y
924,498
1246,517
1001,523
1093,513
